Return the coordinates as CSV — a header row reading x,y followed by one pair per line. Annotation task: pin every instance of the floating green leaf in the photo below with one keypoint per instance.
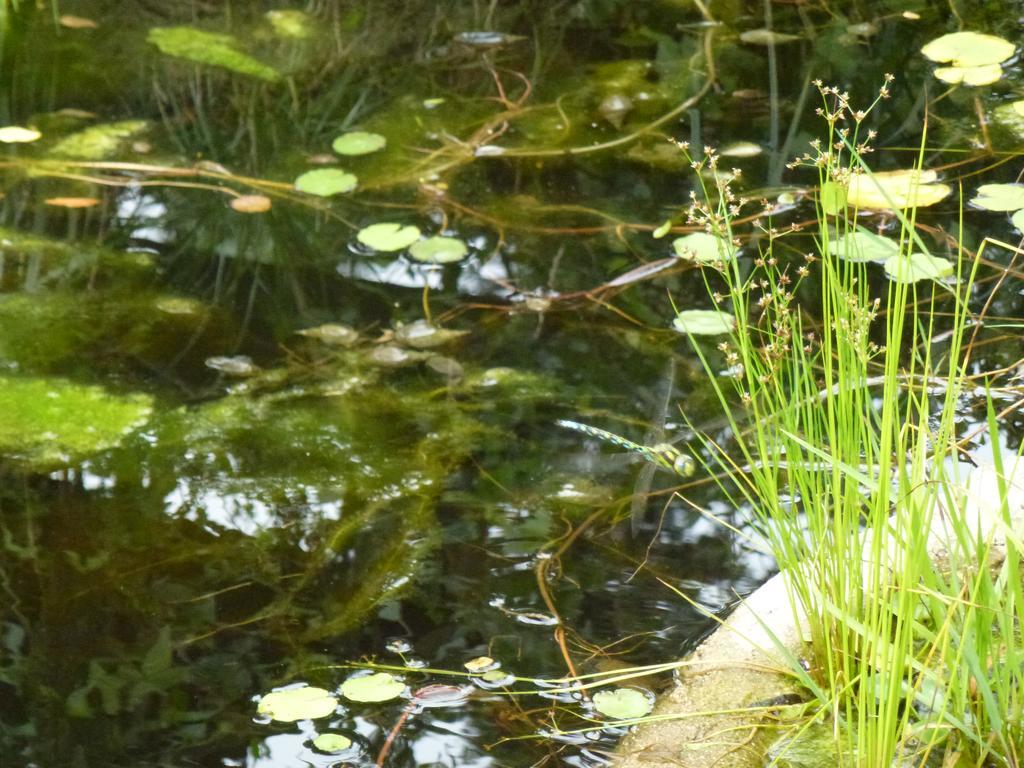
x,y
98,142
662,230
832,198
1000,197
1018,220
332,742
369,688
986,74
480,664
50,422
969,49
16,134
888,190
703,247
325,182
439,250
358,143
210,48
863,245
917,266
622,703
703,322
387,236
305,703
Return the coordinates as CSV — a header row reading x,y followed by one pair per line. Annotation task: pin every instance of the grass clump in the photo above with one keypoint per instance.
x,y
845,451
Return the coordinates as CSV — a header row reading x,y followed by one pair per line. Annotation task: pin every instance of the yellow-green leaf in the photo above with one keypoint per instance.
x,y
895,190
969,49
305,703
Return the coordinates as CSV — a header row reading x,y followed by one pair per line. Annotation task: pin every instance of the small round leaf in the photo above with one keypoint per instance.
x,y
703,322
387,236
368,688
325,182
969,49
917,266
1018,220
703,248
15,134
332,742
1000,197
863,245
305,703
439,250
622,703
358,143
480,664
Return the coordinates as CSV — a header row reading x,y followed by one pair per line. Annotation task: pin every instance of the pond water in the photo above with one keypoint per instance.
x,y
209,490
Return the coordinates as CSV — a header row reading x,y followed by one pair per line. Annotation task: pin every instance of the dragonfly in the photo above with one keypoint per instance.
x,y
663,454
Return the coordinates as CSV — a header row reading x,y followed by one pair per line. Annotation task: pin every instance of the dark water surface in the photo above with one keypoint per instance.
x,y
186,539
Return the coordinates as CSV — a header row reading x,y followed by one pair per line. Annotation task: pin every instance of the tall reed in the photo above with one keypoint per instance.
x,y
844,450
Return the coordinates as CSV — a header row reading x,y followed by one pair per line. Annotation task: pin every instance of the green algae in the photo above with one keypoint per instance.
x,y
51,422
211,49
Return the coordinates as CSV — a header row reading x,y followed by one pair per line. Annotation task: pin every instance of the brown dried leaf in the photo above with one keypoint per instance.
x,y
251,204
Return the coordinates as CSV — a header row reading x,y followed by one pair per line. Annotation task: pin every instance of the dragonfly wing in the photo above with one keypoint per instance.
x,y
641,493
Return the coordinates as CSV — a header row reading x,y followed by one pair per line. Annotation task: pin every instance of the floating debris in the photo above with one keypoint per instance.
x,y
332,334
487,40
240,366
422,335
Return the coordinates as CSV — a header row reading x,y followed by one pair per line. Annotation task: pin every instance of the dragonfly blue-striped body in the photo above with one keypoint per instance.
x,y
663,454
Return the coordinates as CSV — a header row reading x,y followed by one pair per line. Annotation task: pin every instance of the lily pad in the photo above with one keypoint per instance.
x,y
325,182
622,703
703,248
50,422
332,742
703,322
863,245
496,676
305,703
999,197
480,664
15,134
916,267
832,198
969,49
439,250
210,48
896,190
1018,220
370,688
986,74
387,236
358,143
